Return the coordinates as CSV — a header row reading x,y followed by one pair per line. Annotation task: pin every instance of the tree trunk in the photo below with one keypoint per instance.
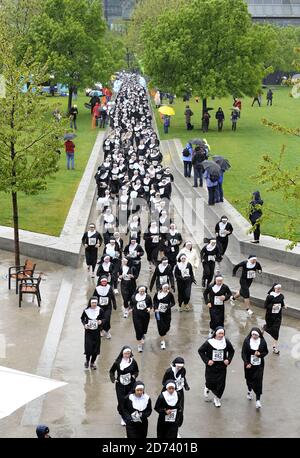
x,y
16,227
70,98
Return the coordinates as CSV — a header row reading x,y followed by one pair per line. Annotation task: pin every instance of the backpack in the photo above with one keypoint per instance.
x,y
185,152
214,176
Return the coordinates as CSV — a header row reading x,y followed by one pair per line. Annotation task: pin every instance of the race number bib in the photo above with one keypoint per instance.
x,y
179,383
222,233
255,360
108,225
155,238
163,279
172,416
133,234
173,242
251,274
103,300
163,229
133,254
146,188
211,258
185,273
125,379
141,305
92,241
161,191
162,307
125,277
218,301
276,308
93,324
172,249
123,207
218,355
133,194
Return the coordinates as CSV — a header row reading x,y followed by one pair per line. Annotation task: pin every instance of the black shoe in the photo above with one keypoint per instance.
x,y
93,366
86,365
254,241
195,186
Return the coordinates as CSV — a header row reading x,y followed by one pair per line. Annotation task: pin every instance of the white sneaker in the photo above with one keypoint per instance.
x,y
162,345
232,301
249,395
108,335
217,402
206,393
140,348
123,422
258,405
125,314
249,311
103,333
116,291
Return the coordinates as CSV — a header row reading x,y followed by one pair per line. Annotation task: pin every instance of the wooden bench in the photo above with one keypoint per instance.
x,y
19,273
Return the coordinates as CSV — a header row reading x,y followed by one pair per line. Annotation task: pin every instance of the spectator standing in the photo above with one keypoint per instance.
x,y
157,99
255,214
269,97
198,157
205,121
256,99
220,117
187,155
188,114
166,120
234,118
211,184
238,104
70,151
73,116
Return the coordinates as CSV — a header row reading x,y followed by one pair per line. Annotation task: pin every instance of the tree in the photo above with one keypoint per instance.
x,y
68,36
29,141
282,57
209,46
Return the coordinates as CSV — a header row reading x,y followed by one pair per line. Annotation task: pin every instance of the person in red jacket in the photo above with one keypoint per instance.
x,y
70,150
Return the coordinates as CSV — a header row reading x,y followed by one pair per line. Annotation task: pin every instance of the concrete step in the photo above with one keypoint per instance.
x,y
273,271
269,247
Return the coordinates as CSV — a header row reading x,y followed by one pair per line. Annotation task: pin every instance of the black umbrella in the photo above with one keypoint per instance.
x,y
88,105
212,167
69,136
222,162
209,109
196,141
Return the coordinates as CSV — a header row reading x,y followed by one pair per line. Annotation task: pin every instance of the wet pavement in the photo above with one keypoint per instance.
x,y
86,407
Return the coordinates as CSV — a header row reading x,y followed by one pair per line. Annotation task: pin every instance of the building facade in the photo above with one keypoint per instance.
x,y
281,12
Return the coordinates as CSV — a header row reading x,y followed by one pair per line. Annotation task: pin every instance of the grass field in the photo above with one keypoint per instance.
x,y
245,147
46,212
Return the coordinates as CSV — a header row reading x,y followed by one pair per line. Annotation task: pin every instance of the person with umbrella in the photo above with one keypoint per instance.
x,y
224,165
73,116
254,351
167,122
211,175
220,117
198,157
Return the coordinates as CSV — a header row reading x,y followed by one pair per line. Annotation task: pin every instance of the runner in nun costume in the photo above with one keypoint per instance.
x,y
107,300
184,277
127,371
136,410
274,304
162,274
249,269
163,301
254,351
92,318
127,275
209,255
215,296
223,229
217,353
169,409
91,240
141,305
177,373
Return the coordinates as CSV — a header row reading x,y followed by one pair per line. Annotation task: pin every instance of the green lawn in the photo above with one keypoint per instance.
x,y
245,147
46,212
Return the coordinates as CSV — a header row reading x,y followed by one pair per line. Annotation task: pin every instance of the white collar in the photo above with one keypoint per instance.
x,y
209,247
92,313
274,294
140,297
103,290
249,265
91,233
254,343
141,403
171,399
125,363
182,265
218,344
162,268
216,288
161,295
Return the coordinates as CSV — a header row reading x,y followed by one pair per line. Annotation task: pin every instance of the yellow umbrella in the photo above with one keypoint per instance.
x,y
166,110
